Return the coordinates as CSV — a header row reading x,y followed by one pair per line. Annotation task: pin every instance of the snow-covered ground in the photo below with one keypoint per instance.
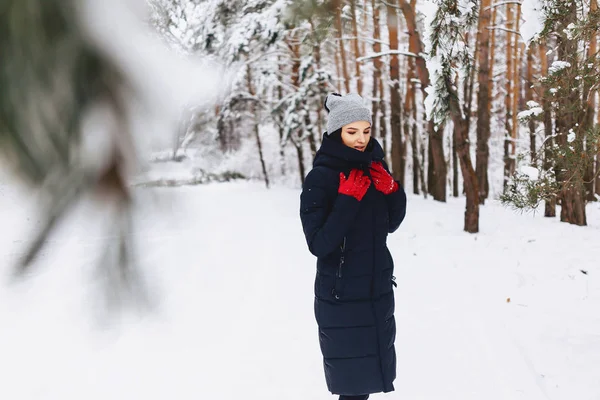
x,y
501,315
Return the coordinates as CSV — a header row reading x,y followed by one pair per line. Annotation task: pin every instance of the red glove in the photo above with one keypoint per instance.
x,y
356,185
382,179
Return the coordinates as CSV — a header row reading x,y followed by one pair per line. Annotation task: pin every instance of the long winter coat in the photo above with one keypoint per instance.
x,y
354,298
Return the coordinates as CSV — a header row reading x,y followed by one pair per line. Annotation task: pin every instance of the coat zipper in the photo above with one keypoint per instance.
x,y
342,258
338,281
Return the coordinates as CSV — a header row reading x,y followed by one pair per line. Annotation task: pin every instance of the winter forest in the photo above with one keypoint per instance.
x,y
482,100
152,159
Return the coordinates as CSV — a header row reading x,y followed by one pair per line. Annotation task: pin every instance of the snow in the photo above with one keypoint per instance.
x,y
535,111
532,25
504,314
558,66
531,172
571,136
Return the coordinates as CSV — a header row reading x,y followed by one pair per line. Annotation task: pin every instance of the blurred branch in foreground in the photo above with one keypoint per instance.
x,y
73,93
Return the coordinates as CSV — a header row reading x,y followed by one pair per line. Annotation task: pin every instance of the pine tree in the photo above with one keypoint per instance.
x,y
448,50
566,89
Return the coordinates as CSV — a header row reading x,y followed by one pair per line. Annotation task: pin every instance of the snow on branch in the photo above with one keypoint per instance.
x,y
387,53
501,28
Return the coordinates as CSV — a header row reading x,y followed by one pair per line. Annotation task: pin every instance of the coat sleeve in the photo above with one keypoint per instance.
x,y
396,208
325,220
396,205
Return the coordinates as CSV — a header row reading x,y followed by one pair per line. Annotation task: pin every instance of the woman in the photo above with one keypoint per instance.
x,y
349,204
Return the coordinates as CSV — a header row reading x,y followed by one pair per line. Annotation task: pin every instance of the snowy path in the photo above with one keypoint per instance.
x,y
236,318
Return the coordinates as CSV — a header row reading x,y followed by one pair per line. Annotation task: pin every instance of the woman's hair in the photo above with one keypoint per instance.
x,y
336,135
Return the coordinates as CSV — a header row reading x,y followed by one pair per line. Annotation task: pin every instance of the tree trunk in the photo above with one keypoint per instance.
x,y
376,69
409,132
590,110
468,84
437,169
516,75
550,205
395,101
422,167
365,23
572,194
322,85
455,183
528,98
508,104
256,126
491,64
468,172
338,69
597,184
359,83
300,152
483,102
297,57
281,122
382,119
415,148
338,26
597,170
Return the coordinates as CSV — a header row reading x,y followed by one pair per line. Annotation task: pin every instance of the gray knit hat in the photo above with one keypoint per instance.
x,y
344,110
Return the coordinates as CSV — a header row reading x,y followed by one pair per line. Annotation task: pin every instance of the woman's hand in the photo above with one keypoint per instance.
x,y
356,185
382,179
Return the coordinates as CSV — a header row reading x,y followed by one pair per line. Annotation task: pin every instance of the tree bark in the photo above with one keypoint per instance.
x,y
376,70
589,177
469,83
409,126
437,168
295,48
597,171
572,194
550,204
322,85
483,102
338,69
395,101
339,29
508,103
357,53
455,183
461,135
516,95
281,121
300,153
528,98
491,65
256,126
417,165
422,146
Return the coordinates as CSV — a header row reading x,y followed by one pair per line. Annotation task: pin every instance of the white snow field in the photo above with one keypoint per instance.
x,y
232,280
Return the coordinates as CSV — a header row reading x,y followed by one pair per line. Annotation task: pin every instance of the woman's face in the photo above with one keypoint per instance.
x,y
357,135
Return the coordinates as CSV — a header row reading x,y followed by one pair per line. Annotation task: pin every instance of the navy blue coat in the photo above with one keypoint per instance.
x,y
354,298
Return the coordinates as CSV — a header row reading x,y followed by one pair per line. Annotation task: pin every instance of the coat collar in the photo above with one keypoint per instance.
x,y
336,155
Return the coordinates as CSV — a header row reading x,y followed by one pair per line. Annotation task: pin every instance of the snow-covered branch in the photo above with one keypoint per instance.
x,y
387,53
501,28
